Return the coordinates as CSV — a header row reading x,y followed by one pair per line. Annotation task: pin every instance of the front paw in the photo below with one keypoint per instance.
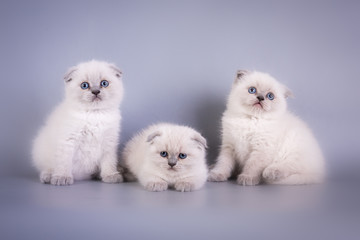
x,y
61,180
272,174
45,177
247,180
156,186
216,177
113,178
184,186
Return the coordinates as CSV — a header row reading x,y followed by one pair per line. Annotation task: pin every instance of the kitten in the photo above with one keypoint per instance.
x,y
80,138
263,138
167,155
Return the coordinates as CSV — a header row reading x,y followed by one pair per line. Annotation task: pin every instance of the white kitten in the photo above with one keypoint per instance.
x,y
167,155
80,138
263,138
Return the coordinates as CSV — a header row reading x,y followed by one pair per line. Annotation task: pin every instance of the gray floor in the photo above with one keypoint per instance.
x,y
94,210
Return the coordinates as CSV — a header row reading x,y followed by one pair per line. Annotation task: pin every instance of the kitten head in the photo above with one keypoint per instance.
x,y
257,94
176,148
94,85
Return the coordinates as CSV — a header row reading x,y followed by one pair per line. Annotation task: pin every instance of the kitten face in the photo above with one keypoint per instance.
x,y
177,150
94,84
257,94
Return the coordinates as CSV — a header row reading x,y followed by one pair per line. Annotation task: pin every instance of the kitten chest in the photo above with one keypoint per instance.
x,y
248,135
91,135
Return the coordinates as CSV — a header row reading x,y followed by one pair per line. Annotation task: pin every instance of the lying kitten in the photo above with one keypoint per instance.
x,y
166,155
263,138
80,137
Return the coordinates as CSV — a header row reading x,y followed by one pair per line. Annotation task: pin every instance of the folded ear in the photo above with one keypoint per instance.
x,y
118,72
288,93
69,73
200,140
151,137
240,74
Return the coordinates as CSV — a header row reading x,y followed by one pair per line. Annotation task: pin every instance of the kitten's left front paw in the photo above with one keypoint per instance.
x,y
184,186
113,178
247,180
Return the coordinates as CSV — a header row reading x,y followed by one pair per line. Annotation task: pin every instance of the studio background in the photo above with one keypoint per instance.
x,y
179,59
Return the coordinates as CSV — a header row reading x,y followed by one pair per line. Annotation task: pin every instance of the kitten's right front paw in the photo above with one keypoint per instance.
x,y
156,186
247,180
216,177
59,180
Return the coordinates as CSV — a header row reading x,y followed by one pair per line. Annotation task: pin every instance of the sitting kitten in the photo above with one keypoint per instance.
x,y
80,138
167,155
263,138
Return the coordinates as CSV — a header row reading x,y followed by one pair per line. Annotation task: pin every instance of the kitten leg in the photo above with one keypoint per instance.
x,y
299,179
253,168
152,183
224,165
289,174
62,174
189,184
109,172
275,172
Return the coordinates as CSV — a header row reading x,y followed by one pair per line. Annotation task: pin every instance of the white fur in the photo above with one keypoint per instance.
x,y
266,141
142,157
81,136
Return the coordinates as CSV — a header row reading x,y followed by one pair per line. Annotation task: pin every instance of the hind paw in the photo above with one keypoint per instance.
x,y
272,174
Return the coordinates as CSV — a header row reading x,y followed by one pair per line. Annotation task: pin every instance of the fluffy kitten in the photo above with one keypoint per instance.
x,y
166,155
263,138
80,137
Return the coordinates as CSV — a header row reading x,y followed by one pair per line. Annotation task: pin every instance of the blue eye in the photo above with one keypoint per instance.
x,y
104,83
84,85
182,155
163,154
270,96
252,90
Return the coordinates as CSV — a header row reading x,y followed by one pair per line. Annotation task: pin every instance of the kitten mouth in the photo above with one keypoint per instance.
x,y
96,99
258,105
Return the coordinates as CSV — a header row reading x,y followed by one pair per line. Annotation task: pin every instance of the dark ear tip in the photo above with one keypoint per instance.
x,y
240,74
201,140
118,72
153,135
69,73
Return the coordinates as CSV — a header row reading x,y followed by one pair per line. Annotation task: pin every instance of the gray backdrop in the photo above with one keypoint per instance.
x,y
179,59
